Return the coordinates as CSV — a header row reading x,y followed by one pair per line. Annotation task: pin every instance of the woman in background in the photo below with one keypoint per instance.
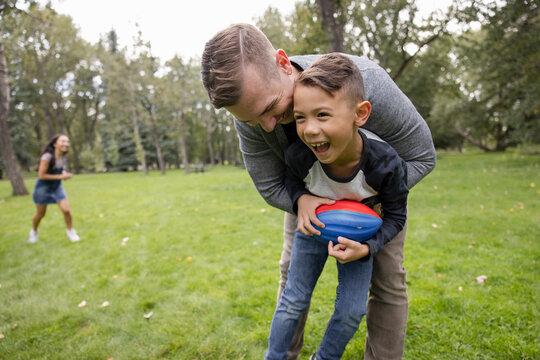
x,y
49,189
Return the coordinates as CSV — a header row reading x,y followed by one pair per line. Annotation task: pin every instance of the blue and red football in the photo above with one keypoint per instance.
x,y
349,219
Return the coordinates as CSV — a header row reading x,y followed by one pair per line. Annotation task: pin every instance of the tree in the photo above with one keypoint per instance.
x,y
333,22
499,72
145,67
6,148
390,32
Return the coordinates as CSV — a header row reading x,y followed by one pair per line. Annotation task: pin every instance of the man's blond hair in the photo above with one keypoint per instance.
x,y
225,57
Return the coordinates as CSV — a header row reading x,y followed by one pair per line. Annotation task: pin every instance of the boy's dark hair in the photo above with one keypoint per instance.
x,y
225,57
332,73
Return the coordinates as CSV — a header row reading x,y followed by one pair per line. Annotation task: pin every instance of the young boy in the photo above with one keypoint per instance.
x,y
339,162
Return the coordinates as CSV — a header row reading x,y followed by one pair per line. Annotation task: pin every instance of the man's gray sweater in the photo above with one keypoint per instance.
x,y
393,118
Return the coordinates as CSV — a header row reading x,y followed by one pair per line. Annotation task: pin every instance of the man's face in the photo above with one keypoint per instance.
x,y
264,102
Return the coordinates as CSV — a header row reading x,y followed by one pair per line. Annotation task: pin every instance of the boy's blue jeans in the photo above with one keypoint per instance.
x,y
307,262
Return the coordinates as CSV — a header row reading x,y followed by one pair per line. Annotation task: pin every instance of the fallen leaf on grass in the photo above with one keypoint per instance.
x,y
460,288
263,211
2,336
82,304
124,241
105,304
481,279
14,326
434,226
440,276
149,315
189,259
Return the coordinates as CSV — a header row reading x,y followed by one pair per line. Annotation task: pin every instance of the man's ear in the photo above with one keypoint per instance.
x,y
362,110
283,62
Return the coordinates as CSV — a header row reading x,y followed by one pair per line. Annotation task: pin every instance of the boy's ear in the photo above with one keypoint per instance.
x,y
283,62
363,110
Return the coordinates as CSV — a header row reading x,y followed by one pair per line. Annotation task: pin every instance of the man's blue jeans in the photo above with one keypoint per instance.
x,y
307,262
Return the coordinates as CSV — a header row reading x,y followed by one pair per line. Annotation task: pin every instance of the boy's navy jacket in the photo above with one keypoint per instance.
x,y
379,177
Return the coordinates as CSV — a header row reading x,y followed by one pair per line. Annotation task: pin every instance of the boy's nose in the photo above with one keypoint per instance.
x,y
311,128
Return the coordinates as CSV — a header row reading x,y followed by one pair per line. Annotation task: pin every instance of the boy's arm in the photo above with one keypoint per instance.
x,y
393,193
387,173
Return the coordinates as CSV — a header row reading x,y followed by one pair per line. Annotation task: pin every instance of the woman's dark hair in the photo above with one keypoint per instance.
x,y
49,148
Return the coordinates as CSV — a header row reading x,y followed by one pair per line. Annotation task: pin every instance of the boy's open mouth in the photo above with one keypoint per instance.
x,y
321,147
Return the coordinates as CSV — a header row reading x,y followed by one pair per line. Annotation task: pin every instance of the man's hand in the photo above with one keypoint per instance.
x,y
307,204
347,250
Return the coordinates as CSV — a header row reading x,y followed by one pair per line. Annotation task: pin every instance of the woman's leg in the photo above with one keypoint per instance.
x,y
41,210
64,207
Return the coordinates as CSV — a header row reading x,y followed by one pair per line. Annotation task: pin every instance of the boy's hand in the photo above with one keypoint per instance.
x,y
307,204
347,250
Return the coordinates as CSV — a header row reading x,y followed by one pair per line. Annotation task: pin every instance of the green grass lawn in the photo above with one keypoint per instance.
x,y
202,259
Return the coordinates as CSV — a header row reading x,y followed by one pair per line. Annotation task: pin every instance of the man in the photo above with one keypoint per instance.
x,y
243,73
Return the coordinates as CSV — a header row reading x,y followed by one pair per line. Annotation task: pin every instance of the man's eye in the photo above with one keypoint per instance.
x,y
322,114
298,117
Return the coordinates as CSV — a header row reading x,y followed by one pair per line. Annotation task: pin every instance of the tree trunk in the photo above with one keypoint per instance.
x,y
155,135
183,145
332,23
472,140
210,126
13,170
66,125
138,144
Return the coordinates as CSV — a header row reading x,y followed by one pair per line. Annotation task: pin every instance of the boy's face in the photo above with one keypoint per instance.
x,y
328,125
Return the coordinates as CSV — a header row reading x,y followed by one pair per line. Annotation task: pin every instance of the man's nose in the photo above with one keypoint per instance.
x,y
268,123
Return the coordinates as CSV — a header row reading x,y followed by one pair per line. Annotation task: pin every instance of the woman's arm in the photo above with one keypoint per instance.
x,y
43,175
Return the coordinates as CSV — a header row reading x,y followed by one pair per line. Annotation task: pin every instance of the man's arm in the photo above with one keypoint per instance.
x,y
265,167
395,119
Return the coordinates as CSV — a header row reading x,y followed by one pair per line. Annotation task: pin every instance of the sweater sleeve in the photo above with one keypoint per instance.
x,y
395,119
265,167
